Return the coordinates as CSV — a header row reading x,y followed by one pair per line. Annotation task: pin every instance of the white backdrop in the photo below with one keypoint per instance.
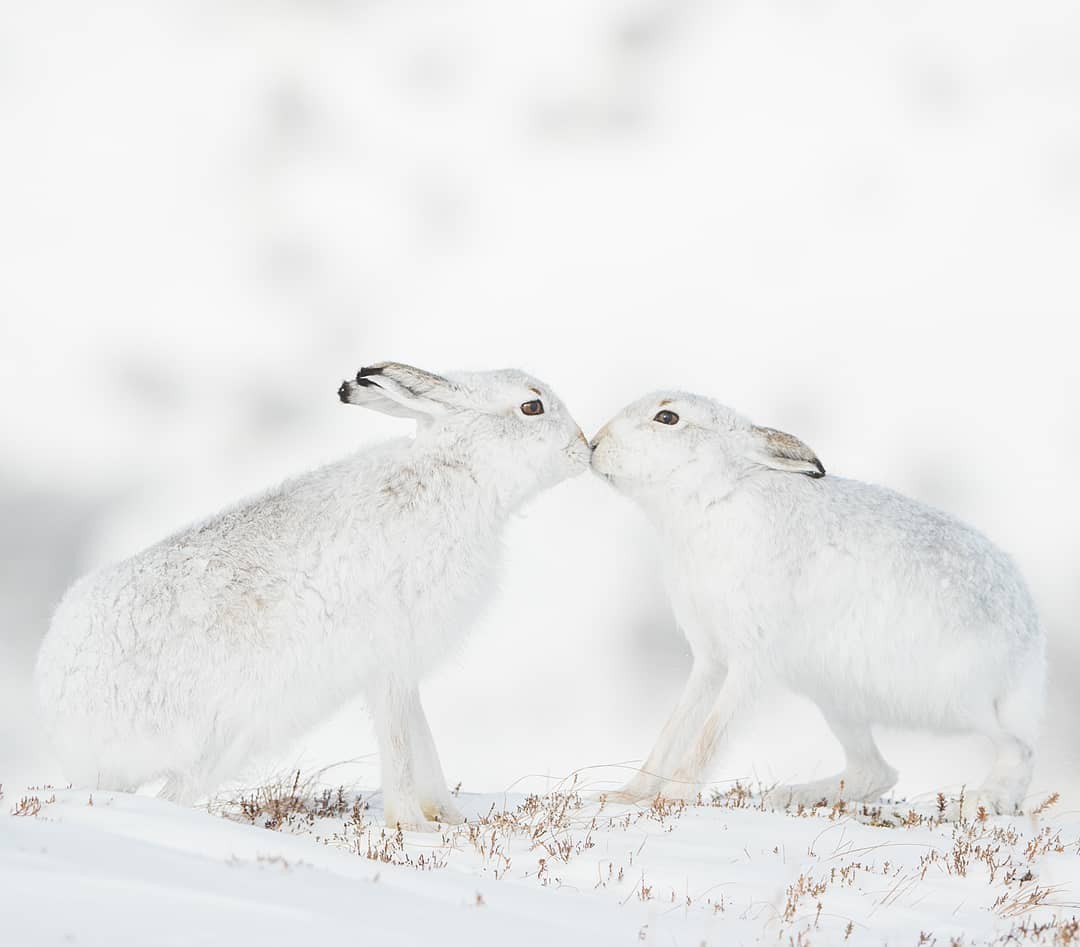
x,y
857,222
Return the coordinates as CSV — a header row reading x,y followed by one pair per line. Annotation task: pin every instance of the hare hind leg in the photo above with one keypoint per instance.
x,y
866,776
1012,730
1002,792
181,788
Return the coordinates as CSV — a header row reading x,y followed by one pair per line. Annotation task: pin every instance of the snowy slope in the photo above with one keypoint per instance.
x,y
554,869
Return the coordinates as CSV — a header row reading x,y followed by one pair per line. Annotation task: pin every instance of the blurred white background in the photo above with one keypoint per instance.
x,y
859,222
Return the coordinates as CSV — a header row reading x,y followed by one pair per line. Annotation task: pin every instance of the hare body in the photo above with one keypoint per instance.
x,y
232,637
876,607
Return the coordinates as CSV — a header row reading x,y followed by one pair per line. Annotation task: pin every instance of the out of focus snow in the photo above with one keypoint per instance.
x,y
855,221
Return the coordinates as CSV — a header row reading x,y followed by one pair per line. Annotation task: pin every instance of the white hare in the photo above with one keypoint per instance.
x,y
239,633
877,608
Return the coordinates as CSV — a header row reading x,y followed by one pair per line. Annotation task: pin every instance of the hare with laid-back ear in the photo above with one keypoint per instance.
x,y
234,636
879,609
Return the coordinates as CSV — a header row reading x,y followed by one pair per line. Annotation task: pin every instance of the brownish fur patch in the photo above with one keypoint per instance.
x,y
788,447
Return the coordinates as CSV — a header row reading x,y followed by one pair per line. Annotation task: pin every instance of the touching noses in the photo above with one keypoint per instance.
x,y
598,437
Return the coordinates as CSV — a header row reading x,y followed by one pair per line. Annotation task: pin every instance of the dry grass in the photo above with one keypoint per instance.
x,y
292,804
544,838
544,835
32,805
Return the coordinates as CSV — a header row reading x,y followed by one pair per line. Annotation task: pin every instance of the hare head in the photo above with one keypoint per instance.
x,y
506,422
671,438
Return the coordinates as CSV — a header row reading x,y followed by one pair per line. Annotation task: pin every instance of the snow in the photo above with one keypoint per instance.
x,y
857,222
115,869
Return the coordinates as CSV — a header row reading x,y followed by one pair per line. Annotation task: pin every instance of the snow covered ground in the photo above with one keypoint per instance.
x,y
317,866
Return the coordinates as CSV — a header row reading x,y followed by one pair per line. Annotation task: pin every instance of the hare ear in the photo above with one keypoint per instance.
x,y
781,451
399,390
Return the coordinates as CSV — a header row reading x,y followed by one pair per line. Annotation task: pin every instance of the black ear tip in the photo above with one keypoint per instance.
x,y
820,470
364,379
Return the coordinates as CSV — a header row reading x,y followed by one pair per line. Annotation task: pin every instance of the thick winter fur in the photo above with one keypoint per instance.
x,y
877,608
241,632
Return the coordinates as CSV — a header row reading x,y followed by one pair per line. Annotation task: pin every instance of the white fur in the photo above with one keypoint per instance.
x,y
239,633
877,608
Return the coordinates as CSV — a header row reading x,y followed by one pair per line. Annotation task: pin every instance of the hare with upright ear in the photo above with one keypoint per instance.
x,y
877,608
233,636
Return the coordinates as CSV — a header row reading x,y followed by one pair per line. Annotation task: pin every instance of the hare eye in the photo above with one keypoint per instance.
x,y
532,408
667,417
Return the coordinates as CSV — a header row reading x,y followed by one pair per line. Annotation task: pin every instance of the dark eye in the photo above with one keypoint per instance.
x,y
532,408
667,417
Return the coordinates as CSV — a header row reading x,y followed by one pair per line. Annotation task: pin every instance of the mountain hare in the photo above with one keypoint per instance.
x,y
239,633
877,608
